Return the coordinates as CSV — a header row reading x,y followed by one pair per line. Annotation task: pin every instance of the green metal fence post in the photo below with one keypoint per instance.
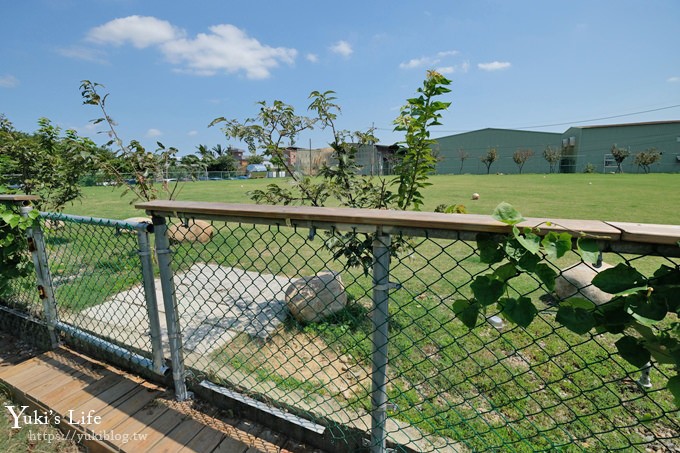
x,y
170,304
42,272
151,302
381,286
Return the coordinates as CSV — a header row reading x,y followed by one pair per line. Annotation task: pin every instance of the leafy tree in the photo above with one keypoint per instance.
x,y
147,167
552,156
277,125
619,155
488,159
255,159
647,158
48,164
521,156
416,118
462,155
225,162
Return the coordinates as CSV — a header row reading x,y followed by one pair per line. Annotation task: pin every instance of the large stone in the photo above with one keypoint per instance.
x,y
191,231
310,299
577,281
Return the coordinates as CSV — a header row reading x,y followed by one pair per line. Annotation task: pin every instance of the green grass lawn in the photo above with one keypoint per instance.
x,y
651,198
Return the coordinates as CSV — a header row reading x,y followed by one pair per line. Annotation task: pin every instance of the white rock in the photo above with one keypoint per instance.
x,y
577,281
310,299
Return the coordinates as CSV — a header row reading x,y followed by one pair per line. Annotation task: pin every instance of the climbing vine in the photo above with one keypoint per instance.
x,y
14,258
643,310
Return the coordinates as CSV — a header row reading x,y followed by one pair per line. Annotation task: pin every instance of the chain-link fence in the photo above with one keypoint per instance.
x,y
267,306
259,301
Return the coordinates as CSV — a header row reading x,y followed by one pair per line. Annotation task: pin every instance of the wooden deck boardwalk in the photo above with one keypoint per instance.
x,y
109,410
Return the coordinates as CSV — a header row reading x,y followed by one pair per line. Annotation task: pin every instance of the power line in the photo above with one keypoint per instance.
x,y
561,124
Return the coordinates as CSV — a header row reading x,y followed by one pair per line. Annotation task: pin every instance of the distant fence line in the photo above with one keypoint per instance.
x,y
209,298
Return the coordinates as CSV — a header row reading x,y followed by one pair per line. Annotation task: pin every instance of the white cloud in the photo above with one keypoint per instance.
x,y
8,81
343,48
674,79
459,68
140,31
192,133
447,53
494,66
153,133
225,48
312,57
83,53
418,62
430,61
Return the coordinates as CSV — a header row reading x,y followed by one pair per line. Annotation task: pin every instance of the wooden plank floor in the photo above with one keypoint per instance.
x,y
110,410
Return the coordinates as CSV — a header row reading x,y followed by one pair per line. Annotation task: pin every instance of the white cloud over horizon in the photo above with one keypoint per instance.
x,y
429,61
342,48
673,79
312,57
151,133
224,49
8,81
494,66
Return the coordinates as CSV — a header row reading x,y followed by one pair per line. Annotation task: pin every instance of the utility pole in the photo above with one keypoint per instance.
x,y
310,157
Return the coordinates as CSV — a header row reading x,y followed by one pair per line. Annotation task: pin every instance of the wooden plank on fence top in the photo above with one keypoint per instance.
x,y
648,233
19,197
376,217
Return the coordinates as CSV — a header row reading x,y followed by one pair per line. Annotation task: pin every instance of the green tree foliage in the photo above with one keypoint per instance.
x,y
149,168
278,126
462,156
416,118
14,261
225,162
489,158
46,163
619,155
647,158
552,156
521,156
255,159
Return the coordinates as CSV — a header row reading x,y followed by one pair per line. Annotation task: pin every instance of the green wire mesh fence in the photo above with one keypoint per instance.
x,y
376,353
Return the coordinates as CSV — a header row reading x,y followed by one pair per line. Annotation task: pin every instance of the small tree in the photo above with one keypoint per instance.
x,y
147,167
647,158
521,156
552,156
462,155
255,159
490,157
48,164
619,155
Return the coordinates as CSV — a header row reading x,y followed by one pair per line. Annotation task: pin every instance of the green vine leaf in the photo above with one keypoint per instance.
x,y
577,319
673,386
487,290
505,272
467,312
507,214
633,351
519,311
588,249
619,279
647,310
489,249
547,275
556,245
530,241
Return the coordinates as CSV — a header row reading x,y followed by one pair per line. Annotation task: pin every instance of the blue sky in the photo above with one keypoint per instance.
x,y
172,67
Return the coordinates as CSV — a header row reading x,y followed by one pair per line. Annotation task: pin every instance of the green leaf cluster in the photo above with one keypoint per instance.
x,y
639,305
14,257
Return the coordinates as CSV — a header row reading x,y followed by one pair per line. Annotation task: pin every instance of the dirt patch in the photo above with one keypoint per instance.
x,y
301,358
